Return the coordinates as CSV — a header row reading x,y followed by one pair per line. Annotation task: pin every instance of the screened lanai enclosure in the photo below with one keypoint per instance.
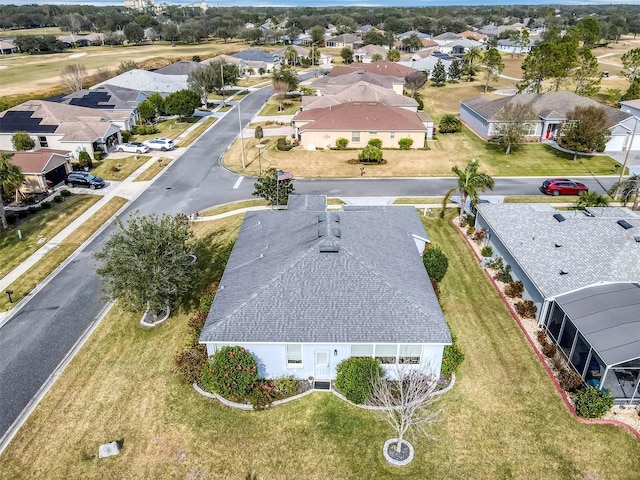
x,y
597,329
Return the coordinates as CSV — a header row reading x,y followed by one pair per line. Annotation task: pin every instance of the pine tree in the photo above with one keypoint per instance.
x,y
454,71
439,75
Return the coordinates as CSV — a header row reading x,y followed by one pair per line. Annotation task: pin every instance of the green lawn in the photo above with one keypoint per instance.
x,y
168,128
117,169
46,223
291,106
503,419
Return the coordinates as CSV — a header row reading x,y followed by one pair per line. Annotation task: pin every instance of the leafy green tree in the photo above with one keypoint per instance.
x,y
347,55
133,32
286,75
393,55
169,32
374,37
412,42
317,35
552,60
454,71
472,56
585,130
22,141
587,31
493,62
470,183
144,265
436,262
212,77
449,123
10,179
376,58
469,70
628,189
631,64
157,101
258,133
590,199
370,153
274,191
513,125
146,110
439,75
587,76
181,103
280,89
633,92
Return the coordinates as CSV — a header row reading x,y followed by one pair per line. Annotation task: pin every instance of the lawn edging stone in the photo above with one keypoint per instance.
x,y
537,352
247,406
393,461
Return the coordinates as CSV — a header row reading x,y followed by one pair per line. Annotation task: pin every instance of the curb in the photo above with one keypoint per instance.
x,y
561,392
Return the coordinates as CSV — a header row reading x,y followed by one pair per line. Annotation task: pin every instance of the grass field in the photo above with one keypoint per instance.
x,y
117,169
445,152
170,128
29,280
503,419
45,224
153,170
291,106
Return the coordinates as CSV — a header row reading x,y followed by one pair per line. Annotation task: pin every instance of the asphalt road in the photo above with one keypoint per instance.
x,y
35,341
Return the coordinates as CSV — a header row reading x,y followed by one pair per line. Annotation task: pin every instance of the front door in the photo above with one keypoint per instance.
x,y
322,366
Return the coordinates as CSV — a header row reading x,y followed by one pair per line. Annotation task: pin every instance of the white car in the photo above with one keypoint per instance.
x,y
133,147
160,143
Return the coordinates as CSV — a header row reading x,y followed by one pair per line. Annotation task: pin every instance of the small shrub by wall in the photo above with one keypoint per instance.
x,y
375,142
356,376
593,403
341,143
452,358
526,309
405,143
487,251
514,289
569,380
436,262
232,372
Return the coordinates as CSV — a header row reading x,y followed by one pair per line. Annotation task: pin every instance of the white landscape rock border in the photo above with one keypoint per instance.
x,y
144,323
247,406
392,461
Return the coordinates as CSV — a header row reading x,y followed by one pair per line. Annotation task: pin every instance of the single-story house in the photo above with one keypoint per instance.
x,y
426,43
42,168
631,107
59,126
550,110
480,37
428,63
508,46
344,40
82,40
366,53
360,122
447,37
270,60
459,47
121,103
7,47
245,67
382,67
330,85
581,270
420,35
148,82
305,289
181,67
360,92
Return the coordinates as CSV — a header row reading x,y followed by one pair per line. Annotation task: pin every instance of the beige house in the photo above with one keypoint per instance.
x,y
42,169
332,84
62,127
366,54
360,92
360,122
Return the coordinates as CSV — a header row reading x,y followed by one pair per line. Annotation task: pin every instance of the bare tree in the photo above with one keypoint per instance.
x,y
513,125
414,81
280,89
73,76
405,402
102,74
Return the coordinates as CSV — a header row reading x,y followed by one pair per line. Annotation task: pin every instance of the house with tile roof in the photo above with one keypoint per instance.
x,y
360,92
148,82
330,85
382,67
360,122
120,103
59,126
550,111
42,169
582,271
480,37
305,288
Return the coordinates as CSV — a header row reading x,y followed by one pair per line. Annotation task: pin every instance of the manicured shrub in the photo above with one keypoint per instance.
x,y
375,142
569,379
526,309
549,350
514,289
262,396
341,143
65,193
97,156
283,144
593,403
486,251
191,361
145,130
232,372
418,99
504,275
405,143
370,153
436,262
542,337
207,297
285,385
452,358
33,209
126,135
45,205
356,377
57,198
84,160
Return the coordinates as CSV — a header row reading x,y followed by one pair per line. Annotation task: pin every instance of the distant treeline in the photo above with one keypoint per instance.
x,y
614,20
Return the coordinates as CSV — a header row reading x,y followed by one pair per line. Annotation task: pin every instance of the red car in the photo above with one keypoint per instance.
x,y
563,186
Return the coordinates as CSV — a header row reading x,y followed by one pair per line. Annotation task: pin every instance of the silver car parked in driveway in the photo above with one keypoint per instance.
x,y
133,147
160,143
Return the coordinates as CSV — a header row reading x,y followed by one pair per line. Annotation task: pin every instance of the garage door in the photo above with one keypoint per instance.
x,y
616,143
56,175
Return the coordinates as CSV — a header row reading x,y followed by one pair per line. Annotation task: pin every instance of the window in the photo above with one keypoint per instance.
x,y
392,135
355,137
530,129
294,355
386,353
410,354
373,133
43,142
362,350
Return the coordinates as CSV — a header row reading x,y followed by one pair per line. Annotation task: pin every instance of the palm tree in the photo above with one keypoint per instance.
x,y
290,55
449,123
590,199
469,69
470,183
10,179
628,188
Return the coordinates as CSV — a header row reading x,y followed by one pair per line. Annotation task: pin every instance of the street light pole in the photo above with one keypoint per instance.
x,y
222,84
626,158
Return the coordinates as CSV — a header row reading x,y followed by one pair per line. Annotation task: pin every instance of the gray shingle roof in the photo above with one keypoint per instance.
x,y
592,249
183,67
551,105
106,97
280,287
258,56
147,81
607,315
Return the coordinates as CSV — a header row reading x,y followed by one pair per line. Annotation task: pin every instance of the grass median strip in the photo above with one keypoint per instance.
x,y
153,170
28,281
44,225
196,132
117,169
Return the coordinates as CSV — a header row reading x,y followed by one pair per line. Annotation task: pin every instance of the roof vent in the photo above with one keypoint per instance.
x,y
336,232
559,217
558,245
322,231
335,217
329,248
564,272
624,224
637,238
322,218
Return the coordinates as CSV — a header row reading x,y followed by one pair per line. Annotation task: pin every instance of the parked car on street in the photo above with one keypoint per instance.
x,y
84,179
133,147
563,186
160,143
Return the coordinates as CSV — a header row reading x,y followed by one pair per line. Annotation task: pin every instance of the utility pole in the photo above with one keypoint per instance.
x,y
626,158
222,83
